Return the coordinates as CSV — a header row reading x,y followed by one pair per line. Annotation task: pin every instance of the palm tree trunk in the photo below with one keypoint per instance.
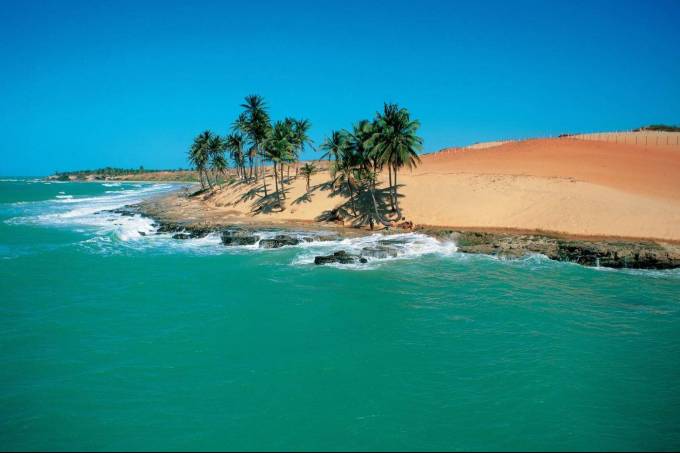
x,y
200,178
264,172
389,170
351,198
283,191
396,198
264,179
375,207
207,177
276,181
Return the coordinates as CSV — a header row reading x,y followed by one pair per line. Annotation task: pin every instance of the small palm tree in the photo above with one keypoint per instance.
x,y
307,171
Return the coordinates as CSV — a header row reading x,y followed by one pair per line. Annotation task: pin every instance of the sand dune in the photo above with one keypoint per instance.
x,y
563,185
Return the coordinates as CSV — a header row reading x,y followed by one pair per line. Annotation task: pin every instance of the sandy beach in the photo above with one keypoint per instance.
x,y
568,186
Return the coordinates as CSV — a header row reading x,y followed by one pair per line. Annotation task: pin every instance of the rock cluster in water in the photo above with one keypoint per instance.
x,y
279,241
340,257
239,237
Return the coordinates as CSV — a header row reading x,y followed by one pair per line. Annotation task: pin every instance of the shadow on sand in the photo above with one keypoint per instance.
x,y
358,208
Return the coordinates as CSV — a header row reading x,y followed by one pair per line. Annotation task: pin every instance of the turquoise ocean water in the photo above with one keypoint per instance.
x,y
110,339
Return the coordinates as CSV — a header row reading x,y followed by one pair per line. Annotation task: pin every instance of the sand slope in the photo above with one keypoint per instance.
x,y
563,185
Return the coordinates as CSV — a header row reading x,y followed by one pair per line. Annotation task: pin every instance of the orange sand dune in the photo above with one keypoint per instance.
x,y
563,185
637,169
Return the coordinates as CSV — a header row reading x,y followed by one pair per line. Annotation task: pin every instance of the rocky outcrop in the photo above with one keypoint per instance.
x,y
182,231
642,255
340,257
379,252
239,237
278,241
505,245
614,254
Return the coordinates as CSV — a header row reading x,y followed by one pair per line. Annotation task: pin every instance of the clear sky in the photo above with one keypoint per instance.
x,y
96,83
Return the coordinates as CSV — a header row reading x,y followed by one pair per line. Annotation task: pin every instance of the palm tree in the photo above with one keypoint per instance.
x,y
334,145
307,171
280,148
354,163
218,163
300,130
199,156
272,153
396,144
368,165
235,144
255,124
342,171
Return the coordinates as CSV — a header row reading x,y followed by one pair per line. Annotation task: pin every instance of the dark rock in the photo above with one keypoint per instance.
x,y
169,227
278,241
183,231
379,252
641,255
198,232
341,257
614,254
141,233
239,237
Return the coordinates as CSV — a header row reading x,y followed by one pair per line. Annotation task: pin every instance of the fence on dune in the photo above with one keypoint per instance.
x,y
627,137
644,138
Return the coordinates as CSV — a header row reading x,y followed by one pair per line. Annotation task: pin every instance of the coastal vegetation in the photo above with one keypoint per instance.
x,y
114,172
658,128
357,159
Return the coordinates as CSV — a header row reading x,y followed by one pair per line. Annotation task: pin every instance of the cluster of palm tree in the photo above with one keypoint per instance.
x,y
207,156
253,142
389,142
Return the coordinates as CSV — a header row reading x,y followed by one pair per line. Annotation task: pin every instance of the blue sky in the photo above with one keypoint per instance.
x,y
96,83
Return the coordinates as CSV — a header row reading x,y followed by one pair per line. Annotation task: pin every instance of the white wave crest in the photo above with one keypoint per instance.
x,y
403,246
94,211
